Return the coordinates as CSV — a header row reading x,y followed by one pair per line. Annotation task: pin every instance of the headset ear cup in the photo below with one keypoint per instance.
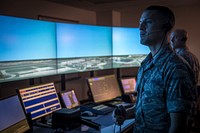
x,y
167,27
184,39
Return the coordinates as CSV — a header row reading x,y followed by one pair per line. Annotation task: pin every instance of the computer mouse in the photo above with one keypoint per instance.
x,y
87,113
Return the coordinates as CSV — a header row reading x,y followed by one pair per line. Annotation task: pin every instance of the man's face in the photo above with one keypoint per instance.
x,y
175,40
151,27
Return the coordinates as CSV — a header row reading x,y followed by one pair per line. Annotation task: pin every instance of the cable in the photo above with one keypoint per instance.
x,y
120,128
114,127
161,44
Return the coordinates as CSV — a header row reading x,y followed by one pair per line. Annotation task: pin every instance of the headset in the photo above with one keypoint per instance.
x,y
166,27
165,11
120,115
171,21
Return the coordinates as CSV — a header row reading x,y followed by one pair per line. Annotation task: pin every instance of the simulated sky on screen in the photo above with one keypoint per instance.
x,y
126,41
26,39
76,40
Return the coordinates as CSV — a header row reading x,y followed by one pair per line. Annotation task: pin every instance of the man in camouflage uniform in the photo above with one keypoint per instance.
x,y
178,42
165,83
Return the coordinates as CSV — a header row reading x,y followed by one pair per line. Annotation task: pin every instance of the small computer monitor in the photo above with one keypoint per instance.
x,y
12,117
104,88
69,99
39,100
128,85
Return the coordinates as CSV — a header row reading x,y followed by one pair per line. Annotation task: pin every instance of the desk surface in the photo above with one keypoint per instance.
x,y
104,129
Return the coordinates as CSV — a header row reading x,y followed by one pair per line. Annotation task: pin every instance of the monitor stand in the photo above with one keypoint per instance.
x,y
44,122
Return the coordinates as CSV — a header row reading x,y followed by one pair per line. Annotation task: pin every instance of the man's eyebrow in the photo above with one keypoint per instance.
x,y
150,18
146,19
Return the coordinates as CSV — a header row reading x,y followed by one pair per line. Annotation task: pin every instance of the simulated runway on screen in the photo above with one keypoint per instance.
x,y
16,70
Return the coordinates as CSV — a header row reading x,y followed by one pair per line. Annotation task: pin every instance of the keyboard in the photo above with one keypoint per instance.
x,y
99,109
114,103
118,103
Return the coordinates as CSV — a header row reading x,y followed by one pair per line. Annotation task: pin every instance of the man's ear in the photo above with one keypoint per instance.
x,y
184,39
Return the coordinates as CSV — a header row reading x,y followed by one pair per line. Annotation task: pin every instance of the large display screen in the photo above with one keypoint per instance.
x,y
28,48
34,48
83,47
26,39
77,40
127,50
126,41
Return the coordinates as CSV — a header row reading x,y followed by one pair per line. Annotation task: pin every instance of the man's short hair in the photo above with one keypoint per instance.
x,y
182,33
165,11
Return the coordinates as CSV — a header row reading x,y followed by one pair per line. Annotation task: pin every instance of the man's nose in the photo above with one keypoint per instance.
x,y
141,25
172,39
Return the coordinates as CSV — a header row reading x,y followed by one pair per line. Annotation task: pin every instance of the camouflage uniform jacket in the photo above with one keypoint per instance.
x,y
191,59
163,86
194,65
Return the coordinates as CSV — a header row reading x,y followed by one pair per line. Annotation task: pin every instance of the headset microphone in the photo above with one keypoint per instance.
x,y
148,33
154,31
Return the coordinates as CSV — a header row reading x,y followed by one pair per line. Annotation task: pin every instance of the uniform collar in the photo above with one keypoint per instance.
x,y
159,58
181,50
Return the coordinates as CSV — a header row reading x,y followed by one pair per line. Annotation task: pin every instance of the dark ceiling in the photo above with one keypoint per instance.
x,y
99,5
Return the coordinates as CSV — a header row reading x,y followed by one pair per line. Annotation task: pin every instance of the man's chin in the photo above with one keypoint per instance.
x,y
143,43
